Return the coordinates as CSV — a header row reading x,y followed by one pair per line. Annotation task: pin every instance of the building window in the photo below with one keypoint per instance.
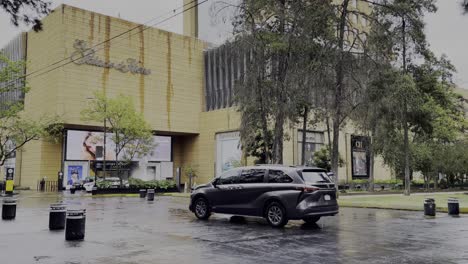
x,y
314,142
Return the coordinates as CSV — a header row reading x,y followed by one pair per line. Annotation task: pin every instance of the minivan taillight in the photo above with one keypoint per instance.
x,y
309,189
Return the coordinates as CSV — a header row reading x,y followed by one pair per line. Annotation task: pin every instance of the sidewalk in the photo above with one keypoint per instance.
x,y
414,202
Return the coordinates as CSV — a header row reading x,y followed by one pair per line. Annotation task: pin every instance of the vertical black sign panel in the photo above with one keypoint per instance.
x,y
10,172
360,157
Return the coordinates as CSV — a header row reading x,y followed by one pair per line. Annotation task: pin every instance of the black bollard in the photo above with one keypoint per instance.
x,y
9,209
453,206
150,194
94,191
72,189
42,183
429,207
75,227
57,216
142,193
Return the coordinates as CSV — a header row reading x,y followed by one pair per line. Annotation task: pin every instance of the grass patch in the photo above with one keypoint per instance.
x,y
401,202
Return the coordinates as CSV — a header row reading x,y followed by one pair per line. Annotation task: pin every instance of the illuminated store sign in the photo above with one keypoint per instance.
x,y
83,54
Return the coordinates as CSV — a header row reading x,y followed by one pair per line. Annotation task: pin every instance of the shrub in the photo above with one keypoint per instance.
x,y
104,184
166,184
391,181
136,183
359,181
417,182
153,184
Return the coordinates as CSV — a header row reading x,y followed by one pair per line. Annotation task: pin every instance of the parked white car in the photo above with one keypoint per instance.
x,y
88,186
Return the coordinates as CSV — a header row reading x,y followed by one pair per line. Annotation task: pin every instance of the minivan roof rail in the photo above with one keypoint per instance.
x,y
275,165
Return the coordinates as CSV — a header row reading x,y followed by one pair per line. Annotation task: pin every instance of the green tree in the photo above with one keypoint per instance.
x,y
322,159
398,30
17,129
28,12
278,39
256,148
131,134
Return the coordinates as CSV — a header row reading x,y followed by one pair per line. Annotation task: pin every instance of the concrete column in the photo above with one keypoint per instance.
x,y
191,18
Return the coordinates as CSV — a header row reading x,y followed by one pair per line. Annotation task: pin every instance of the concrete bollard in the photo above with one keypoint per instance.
x,y
57,216
429,207
9,209
150,195
453,206
75,227
142,193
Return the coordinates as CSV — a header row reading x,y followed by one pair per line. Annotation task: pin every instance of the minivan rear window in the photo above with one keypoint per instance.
x,y
315,176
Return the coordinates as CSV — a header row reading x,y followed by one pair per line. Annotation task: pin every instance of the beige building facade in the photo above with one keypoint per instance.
x,y
166,74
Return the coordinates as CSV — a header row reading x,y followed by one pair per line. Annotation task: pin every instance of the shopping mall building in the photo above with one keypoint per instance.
x,y
183,85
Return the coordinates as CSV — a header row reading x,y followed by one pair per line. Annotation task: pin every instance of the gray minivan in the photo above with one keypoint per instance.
x,y
277,193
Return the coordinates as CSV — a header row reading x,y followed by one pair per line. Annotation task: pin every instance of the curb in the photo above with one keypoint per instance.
x,y
183,195
463,210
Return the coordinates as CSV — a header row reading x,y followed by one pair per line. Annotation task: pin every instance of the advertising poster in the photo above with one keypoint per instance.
x,y
75,174
360,156
228,151
89,145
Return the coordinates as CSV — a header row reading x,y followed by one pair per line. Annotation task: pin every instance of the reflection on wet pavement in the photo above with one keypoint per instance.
x,y
132,230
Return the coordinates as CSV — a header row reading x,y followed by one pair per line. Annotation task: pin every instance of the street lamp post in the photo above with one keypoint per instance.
x,y
104,147
104,144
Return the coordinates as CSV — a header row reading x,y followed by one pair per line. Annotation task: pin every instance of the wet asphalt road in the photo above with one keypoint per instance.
x,y
130,230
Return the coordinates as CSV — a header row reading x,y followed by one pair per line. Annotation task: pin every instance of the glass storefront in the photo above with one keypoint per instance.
x,y
314,142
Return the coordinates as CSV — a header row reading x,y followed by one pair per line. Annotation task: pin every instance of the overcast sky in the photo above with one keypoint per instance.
x,y
445,29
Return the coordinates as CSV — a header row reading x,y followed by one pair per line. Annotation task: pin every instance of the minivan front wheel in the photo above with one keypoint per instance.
x,y
275,215
201,209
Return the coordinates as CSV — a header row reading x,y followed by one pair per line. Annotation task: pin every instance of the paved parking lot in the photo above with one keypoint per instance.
x,y
130,230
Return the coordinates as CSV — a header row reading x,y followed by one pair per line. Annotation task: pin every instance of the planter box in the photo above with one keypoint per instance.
x,y
130,190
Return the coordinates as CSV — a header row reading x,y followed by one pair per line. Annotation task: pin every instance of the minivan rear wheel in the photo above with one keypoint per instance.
x,y
201,208
275,215
311,219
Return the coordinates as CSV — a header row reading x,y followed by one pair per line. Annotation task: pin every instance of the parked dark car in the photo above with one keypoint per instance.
x,y
277,193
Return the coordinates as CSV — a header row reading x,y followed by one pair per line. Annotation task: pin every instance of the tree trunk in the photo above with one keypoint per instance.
x,y
371,165
335,151
264,122
280,90
339,71
405,121
278,139
406,150
266,139
304,134
329,135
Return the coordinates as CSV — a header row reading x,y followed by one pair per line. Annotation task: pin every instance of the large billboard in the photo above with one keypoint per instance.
x,y
360,156
228,151
89,145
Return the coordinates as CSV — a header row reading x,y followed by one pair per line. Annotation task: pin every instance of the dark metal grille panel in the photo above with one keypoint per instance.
x,y
223,67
